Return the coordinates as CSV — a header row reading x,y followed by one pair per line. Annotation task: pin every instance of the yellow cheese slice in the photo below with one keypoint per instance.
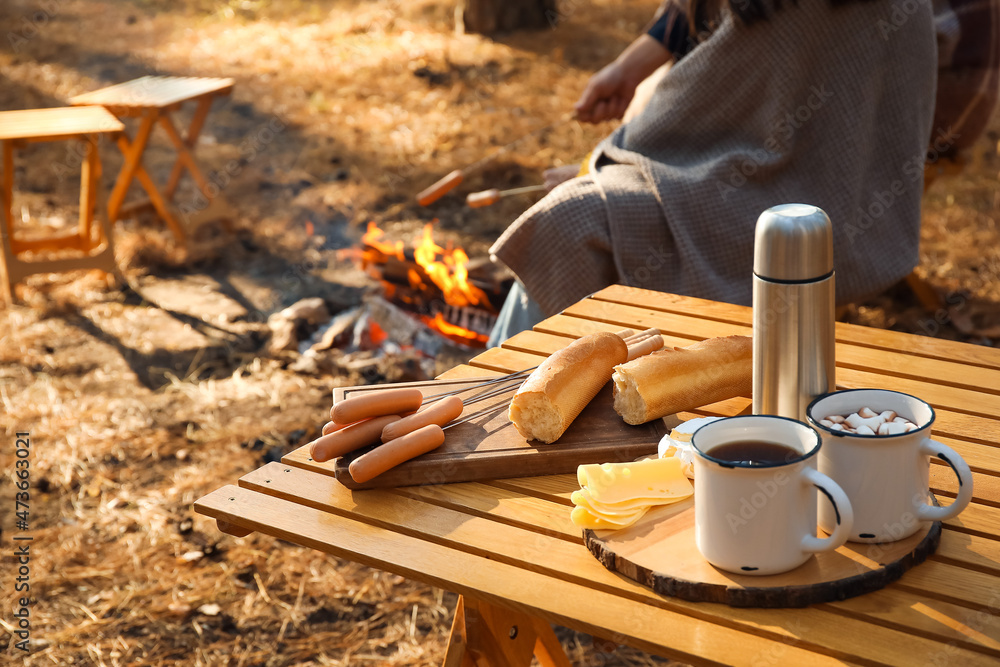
x,y
584,519
652,479
583,498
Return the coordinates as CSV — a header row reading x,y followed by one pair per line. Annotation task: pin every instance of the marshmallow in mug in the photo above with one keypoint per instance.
x,y
869,422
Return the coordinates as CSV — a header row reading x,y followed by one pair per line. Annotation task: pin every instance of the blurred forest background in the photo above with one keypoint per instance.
x,y
142,397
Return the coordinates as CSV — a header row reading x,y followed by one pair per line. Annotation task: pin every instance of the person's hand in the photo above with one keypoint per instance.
x,y
606,96
557,175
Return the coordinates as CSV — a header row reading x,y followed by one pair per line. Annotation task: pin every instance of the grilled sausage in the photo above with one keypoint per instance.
x,y
440,413
376,404
350,438
391,454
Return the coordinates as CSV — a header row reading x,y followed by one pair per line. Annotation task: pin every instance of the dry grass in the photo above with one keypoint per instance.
x,y
341,112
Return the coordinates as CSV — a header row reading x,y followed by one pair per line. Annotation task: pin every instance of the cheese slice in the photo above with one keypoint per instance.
x,y
584,519
583,498
616,495
652,479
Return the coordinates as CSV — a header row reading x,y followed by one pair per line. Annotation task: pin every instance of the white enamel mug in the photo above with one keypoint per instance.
x,y
885,476
761,518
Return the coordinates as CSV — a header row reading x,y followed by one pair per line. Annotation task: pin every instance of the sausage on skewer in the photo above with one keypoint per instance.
x,y
376,404
391,454
441,413
350,438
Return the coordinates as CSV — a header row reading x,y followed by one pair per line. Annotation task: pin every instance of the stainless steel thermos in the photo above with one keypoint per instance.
x,y
793,310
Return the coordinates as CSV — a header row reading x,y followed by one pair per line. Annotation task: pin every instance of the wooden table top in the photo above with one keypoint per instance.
x,y
510,542
154,92
58,123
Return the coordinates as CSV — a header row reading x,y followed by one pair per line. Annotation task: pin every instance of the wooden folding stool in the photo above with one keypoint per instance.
x,y
151,99
19,128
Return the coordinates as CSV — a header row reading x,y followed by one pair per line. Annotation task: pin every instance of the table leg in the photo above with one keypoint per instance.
x,y
160,204
112,276
132,153
89,175
456,655
7,230
486,635
548,650
133,169
185,149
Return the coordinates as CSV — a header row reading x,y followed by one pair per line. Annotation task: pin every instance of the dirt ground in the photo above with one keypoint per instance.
x,y
141,397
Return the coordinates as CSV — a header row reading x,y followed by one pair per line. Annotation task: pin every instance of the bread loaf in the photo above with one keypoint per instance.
x,y
682,378
562,386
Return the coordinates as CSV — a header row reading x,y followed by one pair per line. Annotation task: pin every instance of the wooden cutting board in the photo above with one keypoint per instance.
x,y
489,447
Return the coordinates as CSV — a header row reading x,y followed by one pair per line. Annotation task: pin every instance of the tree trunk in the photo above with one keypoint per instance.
x,y
491,16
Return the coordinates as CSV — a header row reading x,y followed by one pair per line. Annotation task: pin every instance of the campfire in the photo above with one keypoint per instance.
x,y
451,294
431,296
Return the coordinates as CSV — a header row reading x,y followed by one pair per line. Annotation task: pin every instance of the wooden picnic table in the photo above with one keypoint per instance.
x,y
509,549
152,99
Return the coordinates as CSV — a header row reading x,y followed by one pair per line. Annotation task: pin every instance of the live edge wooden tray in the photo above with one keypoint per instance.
x,y
659,552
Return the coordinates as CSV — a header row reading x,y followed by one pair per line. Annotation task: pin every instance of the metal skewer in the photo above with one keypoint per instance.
x,y
517,382
493,195
442,187
480,413
454,392
625,335
474,415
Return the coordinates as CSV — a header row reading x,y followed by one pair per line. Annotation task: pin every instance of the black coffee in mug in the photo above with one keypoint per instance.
x,y
754,453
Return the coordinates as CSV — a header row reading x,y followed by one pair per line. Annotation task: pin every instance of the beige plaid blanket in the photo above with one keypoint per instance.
x,y
818,105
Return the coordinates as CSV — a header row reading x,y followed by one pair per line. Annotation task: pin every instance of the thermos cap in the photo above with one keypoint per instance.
x,y
793,242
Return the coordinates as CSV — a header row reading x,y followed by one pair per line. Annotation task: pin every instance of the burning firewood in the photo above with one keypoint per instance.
x,y
434,283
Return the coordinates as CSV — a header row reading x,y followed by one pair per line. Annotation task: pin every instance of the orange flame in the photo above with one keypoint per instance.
x,y
447,328
451,275
447,269
372,236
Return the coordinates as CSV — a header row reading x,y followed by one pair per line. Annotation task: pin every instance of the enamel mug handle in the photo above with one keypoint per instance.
x,y
961,469
841,508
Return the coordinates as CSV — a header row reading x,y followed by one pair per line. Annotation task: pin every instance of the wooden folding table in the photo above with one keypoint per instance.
x,y
508,546
19,128
152,99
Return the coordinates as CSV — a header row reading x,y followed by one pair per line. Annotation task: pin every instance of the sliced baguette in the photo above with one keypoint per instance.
x,y
682,378
562,386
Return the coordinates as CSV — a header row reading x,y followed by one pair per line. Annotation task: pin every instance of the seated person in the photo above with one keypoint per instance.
x,y
823,102
623,88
